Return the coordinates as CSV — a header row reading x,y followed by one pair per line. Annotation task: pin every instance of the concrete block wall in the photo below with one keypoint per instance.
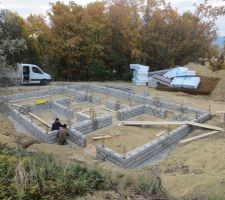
x,y
147,151
77,137
127,113
37,93
74,92
68,113
80,117
106,154
141,99
114,105
64,102
51,137
93,99
88,126
182,117
37,131
36,108
155,111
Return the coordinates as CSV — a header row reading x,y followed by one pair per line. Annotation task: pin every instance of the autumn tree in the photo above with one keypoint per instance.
x,y
100,40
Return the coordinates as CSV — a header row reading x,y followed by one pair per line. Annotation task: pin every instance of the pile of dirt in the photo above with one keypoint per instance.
x,y
201,70
219,91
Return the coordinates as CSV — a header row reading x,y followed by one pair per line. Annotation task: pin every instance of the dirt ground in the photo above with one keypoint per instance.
x,y
188,171
127,138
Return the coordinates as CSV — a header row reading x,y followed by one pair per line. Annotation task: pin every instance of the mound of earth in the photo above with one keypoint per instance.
x,y
201,70
219,91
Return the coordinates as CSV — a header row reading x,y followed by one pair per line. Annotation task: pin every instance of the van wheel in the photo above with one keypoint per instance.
x,y
44,82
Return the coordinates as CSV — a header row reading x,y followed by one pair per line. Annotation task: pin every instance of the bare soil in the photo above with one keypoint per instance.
x,y
127,138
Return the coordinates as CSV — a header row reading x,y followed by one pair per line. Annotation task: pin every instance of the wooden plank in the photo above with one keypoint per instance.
x,y
110,110
140,123
161,133
83,114
29,98
220,112
205,126
39,119
84,110
16,105
102,137
185,141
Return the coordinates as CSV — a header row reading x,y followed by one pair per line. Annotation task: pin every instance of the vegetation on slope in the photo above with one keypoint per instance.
x,y
38,176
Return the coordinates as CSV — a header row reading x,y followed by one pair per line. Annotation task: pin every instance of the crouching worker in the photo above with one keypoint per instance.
x,y
56,125
63,134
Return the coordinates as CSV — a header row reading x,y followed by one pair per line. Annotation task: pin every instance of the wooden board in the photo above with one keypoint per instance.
x,y
110,110
205,126
220,112
16,105
161,133
205,87
162,80
83,114
102,137
185,141
140,123
39,119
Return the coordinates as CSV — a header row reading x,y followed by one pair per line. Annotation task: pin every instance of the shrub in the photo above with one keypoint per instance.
x,y
37,176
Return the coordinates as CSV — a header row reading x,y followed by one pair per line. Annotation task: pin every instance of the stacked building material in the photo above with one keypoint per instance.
x,y
186,82
179,72
140,74
178,77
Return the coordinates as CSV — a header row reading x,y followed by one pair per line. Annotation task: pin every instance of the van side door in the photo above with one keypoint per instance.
x,y
36,75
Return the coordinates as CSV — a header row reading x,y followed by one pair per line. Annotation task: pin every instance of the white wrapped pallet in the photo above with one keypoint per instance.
x,y
140,74
178,72
186,82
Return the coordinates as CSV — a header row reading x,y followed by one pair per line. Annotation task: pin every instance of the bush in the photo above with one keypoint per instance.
x,y
38,176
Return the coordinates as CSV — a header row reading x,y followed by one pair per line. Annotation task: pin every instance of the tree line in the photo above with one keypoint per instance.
x,y
100,40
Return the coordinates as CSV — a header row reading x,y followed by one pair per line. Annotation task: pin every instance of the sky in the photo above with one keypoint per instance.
x,y
26,7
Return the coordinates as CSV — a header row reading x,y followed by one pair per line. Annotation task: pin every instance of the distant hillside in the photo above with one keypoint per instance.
x,y
220,41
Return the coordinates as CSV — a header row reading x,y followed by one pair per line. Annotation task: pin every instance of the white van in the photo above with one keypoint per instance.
x,y
32,74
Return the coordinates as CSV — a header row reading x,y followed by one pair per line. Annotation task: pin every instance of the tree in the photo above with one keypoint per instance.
x,y
12,43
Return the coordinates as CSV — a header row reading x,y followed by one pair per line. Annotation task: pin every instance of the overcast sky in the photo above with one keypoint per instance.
x,y
27,7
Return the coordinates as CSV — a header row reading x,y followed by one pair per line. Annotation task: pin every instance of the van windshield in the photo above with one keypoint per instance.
x,y
36,70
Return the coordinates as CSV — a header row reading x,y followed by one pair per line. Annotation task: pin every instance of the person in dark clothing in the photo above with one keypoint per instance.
x,y
62,135
56,125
